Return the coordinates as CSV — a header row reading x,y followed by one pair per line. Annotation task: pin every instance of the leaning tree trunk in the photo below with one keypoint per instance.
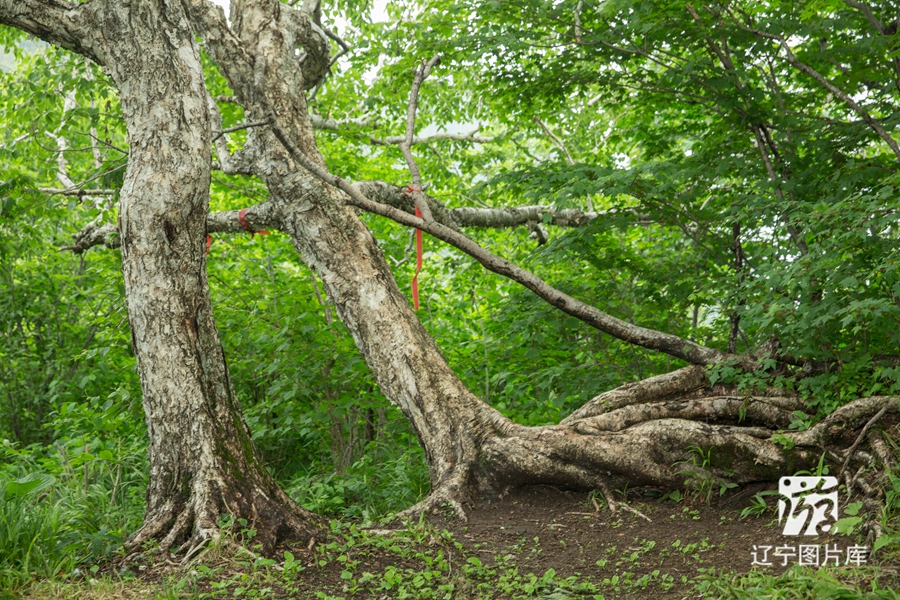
x,y
641,434
203,464
410,370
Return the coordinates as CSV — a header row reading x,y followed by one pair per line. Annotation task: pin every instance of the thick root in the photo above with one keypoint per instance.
x,y
452,493
706,443
193,524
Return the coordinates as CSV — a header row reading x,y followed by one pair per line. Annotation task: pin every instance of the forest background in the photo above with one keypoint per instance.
x,y
728,197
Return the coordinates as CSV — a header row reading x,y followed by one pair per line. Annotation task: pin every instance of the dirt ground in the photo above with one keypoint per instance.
x,y
544,528
538,542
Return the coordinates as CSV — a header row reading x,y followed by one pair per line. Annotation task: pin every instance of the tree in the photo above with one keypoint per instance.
x,y
202,461
673,86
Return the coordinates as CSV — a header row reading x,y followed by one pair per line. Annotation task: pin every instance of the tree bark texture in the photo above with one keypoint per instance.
x,y
203,464
202,461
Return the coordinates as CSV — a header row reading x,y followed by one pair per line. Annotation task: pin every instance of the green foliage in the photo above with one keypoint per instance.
x,y
72,503
664,137
796,582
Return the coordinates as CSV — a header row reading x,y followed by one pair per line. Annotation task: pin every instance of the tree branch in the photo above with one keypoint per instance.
x,y
79,193
865,10
494,218
459,137
555,139
221,132
415,188
64,24
795,62
641,336
258,217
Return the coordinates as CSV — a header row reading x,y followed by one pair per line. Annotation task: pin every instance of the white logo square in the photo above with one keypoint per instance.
x,y
808,501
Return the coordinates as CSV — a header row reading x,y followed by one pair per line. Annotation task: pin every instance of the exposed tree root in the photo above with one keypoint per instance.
x,y
273,516
452,493
670,432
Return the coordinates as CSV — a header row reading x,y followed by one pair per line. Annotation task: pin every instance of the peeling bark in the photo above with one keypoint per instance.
x,y
203,464
641,433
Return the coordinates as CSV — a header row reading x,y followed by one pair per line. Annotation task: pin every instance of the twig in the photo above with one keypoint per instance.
x,y
345,48
95,138
860,437
555,139
636,512
77,192
322,302
239,127
87,181
422,72
607,494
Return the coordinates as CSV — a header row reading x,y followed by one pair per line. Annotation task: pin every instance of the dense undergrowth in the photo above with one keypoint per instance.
x,y
73,461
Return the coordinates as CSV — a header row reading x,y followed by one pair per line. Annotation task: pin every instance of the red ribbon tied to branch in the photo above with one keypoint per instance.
x,y
242,217
415,279
243,220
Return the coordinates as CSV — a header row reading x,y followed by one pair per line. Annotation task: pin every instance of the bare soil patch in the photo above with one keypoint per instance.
x,y
563,544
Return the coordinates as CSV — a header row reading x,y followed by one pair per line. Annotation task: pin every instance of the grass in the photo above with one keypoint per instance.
x,y
30,534
424,562
65,512
798,582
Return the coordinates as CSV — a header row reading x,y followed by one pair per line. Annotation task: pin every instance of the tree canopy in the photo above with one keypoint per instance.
x,y
614,191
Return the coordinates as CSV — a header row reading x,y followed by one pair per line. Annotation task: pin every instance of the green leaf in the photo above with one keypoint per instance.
x,y
883,541
845,526
853,508
30,485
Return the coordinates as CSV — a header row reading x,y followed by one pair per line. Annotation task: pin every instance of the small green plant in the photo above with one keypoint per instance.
x,y
800,421
783,441
758,506
674,496
698,475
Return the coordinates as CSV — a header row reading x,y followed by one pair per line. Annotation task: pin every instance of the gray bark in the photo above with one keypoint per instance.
x,y
202,461
639,434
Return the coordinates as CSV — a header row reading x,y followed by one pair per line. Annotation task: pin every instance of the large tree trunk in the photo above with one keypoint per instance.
x,y
203,464
333,241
